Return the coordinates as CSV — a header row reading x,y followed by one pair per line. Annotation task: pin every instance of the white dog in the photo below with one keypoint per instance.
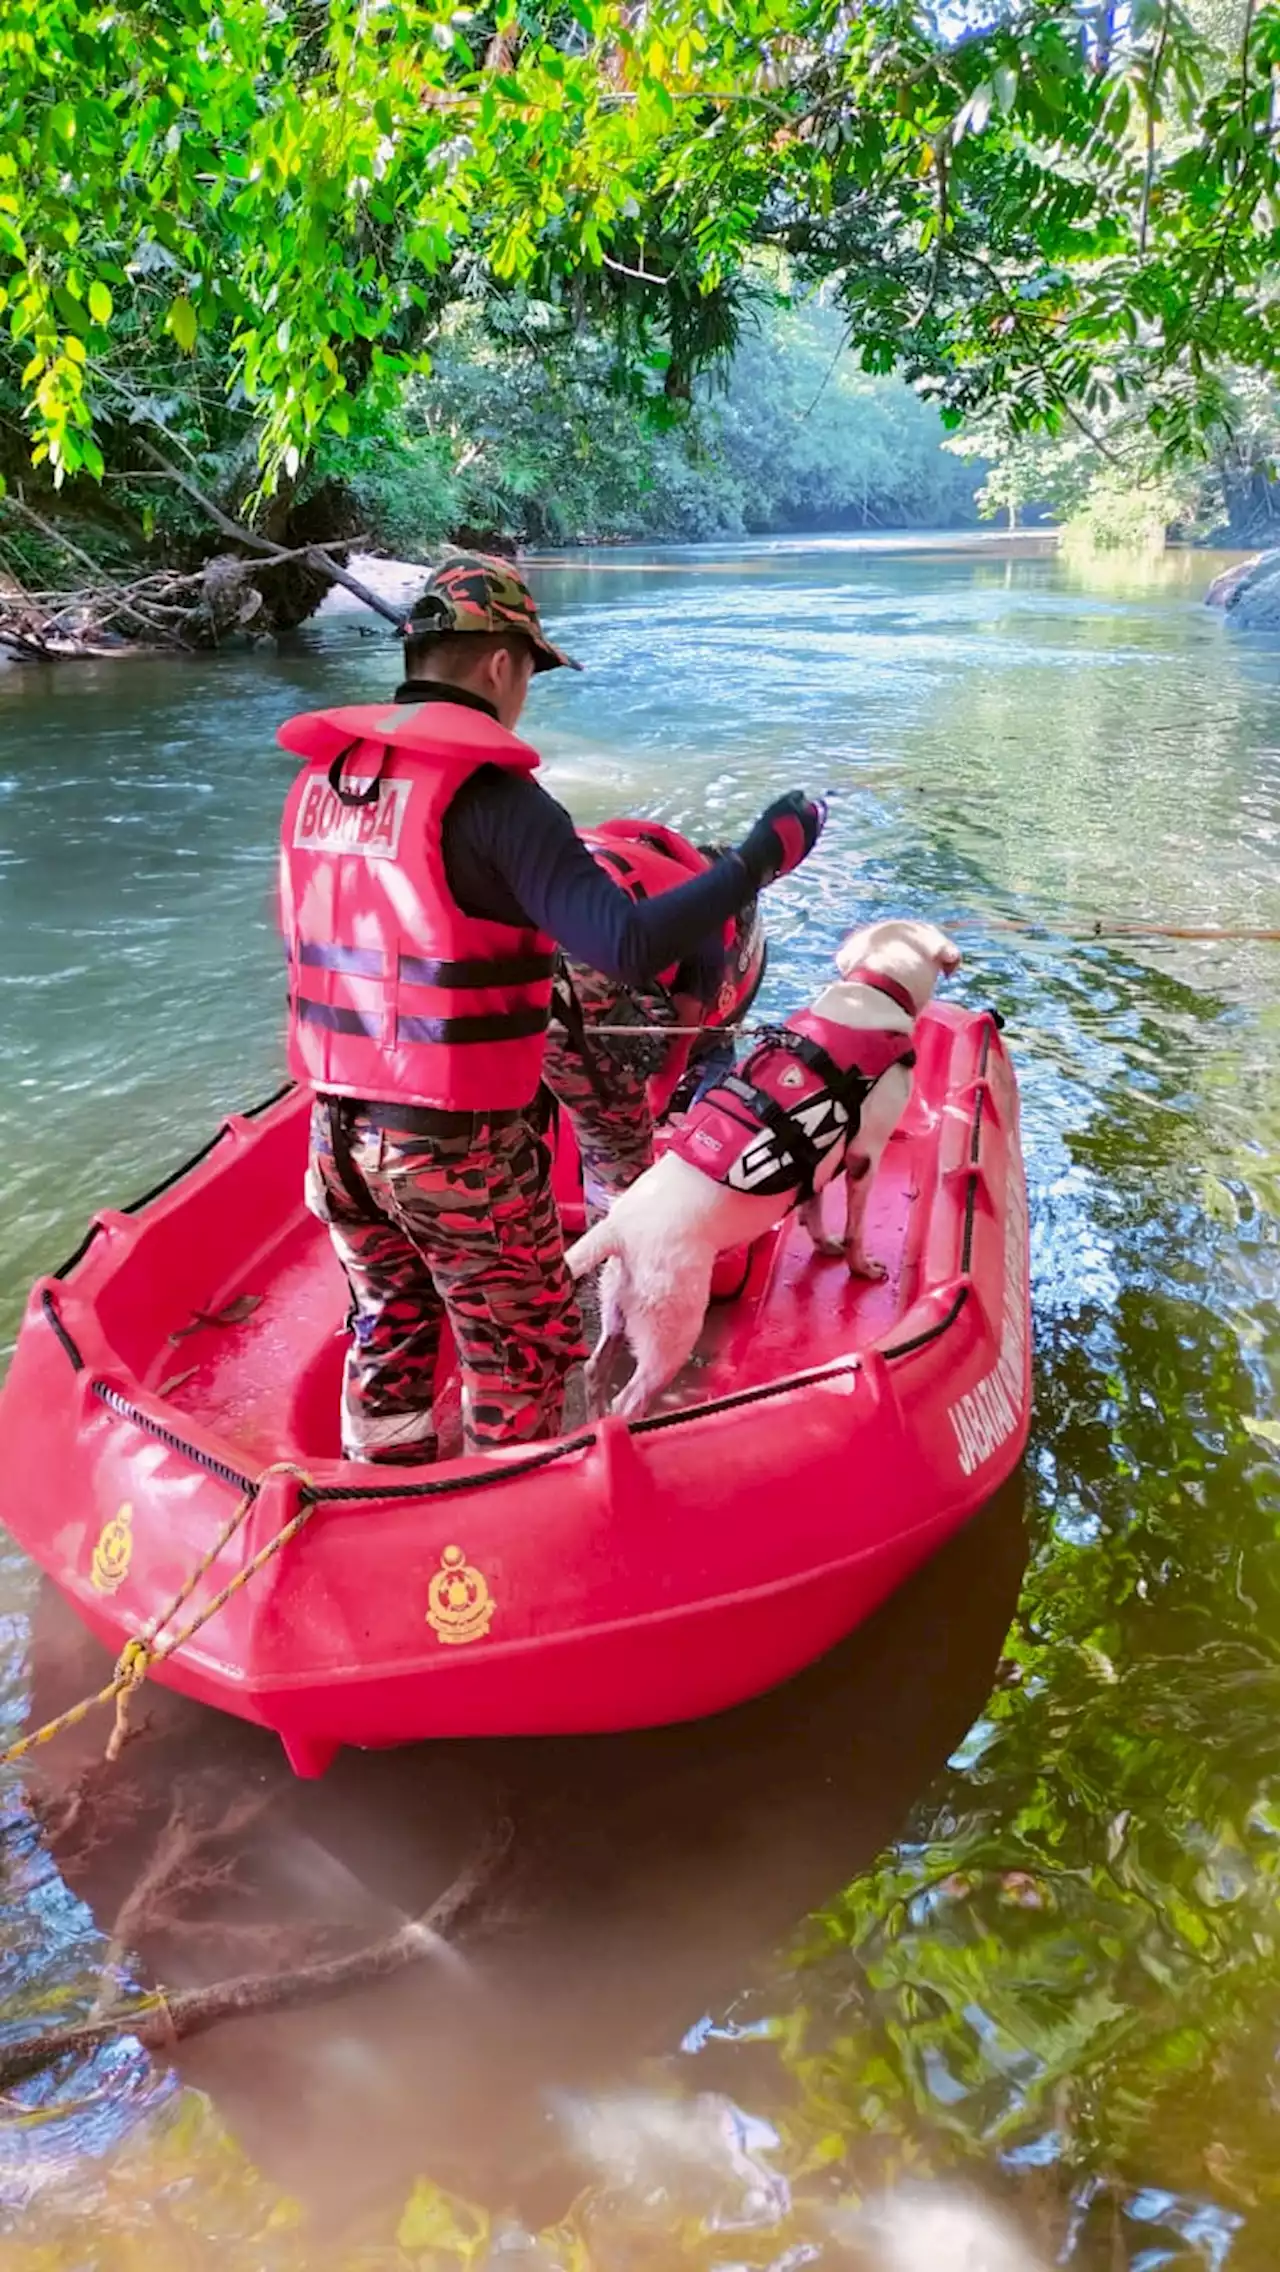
x,y
823,1098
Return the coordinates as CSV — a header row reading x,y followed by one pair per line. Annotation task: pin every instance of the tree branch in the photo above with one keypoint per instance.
x,y
262,546
826,378
161,2021
153,601
73,552
1153,82
1104,449
642,275
941,225
1246,34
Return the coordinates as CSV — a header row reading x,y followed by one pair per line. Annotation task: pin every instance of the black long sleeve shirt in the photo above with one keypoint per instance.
x,y
512,855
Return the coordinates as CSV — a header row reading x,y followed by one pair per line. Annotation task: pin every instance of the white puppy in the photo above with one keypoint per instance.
x,y
660,1240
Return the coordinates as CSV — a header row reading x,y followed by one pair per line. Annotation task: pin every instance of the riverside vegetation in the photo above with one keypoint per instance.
x,y
285,275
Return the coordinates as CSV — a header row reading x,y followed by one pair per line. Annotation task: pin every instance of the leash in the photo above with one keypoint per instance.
x,y
1102,928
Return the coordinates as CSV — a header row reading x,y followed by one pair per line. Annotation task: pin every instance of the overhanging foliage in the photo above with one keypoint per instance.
x,y
1029,208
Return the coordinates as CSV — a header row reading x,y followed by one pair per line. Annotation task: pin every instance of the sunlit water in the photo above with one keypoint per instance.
x,y
968,1904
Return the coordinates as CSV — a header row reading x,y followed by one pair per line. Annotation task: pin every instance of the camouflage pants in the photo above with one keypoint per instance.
x,y
607,1100
460,1224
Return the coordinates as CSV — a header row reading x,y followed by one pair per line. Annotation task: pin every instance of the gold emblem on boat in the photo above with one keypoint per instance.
x,y
113,1552
459,1604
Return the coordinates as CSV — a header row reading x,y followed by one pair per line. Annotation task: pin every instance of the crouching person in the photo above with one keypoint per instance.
x,y
618,1056
426,881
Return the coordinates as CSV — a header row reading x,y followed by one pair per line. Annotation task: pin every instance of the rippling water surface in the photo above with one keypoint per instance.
x,y
989,1898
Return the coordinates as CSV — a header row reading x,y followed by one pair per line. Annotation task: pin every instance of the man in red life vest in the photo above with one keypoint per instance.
x,y
426,881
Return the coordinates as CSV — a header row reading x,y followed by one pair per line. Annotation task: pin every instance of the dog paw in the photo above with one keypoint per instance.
x,y
865,1266
631,1402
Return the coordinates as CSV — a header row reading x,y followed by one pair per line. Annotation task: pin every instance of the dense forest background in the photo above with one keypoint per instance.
x,y
521,435
278,279
549,444
553,444
518,435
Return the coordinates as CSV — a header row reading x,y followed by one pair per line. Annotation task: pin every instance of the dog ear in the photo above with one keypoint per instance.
x,y
941,950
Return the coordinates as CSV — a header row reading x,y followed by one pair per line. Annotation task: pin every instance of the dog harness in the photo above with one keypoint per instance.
x,y
798,1097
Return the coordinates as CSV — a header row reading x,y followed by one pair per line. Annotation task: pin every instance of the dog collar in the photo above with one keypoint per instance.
x,y
883,985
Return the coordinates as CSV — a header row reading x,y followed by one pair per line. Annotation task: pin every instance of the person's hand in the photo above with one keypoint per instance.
x,y
784,835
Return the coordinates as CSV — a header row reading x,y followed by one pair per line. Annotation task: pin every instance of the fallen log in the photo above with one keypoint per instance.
x,y
259,591
158,2022
188,612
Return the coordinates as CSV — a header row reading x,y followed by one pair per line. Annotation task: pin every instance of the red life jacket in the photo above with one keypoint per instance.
x,y
796,1100
646,857
395,994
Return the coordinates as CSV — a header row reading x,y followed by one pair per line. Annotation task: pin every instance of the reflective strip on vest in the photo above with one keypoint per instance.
x,y
509,1025
418,970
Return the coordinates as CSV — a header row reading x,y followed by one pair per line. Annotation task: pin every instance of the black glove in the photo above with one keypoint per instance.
x,y
784,835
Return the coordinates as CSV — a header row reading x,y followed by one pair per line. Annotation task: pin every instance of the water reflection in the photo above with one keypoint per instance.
x,y
895,1923
634,1903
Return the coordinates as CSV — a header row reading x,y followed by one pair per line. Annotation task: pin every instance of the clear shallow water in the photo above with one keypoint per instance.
x,y
977,1899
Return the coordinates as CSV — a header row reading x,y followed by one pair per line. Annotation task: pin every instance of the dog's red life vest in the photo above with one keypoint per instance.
x,y
395,993
798,1098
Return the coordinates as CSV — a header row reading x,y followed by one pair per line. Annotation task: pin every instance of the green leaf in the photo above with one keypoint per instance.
x,y
183,323
100,301
69,307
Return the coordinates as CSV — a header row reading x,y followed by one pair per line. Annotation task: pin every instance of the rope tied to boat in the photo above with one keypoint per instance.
x,y
148,1648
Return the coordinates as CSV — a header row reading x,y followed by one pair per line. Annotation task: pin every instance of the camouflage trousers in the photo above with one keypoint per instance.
x,y
460,1223
607,1095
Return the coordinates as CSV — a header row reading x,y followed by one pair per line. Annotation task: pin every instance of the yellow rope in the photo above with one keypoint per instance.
x,y
145,1649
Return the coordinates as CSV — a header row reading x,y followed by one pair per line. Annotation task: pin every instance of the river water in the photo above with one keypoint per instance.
x,y
987,1900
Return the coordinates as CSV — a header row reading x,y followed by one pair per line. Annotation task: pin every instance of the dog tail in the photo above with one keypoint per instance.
x,y
591,1250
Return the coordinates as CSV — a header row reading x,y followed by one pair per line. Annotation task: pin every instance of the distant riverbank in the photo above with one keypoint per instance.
x,y
400,581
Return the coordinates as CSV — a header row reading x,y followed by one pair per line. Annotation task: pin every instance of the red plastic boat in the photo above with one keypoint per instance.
x,y
826,1439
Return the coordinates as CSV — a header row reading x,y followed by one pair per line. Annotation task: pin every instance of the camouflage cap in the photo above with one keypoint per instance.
x,y
473,592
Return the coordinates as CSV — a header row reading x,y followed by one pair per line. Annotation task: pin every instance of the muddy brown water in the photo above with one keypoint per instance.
x,y
987,1899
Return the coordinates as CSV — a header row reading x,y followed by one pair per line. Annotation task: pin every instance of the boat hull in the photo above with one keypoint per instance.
x,y
830,1437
